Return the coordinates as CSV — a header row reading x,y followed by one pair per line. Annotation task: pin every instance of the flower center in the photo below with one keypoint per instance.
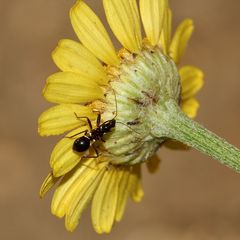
x,y
140,85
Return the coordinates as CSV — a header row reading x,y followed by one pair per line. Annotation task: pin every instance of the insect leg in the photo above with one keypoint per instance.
x,y
85,132
88,120
98,120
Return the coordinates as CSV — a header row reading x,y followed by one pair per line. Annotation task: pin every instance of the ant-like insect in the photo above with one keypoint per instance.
x,y
83,143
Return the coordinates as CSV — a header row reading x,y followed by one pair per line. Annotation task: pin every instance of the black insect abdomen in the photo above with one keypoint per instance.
x,y
81,144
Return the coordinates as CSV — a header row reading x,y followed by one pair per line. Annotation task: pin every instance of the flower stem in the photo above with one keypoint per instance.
x,y
174,124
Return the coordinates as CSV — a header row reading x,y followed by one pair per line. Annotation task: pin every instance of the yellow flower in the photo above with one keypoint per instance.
x,y
95,78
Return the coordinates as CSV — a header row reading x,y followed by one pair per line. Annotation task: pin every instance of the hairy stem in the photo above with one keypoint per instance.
x,y
170,122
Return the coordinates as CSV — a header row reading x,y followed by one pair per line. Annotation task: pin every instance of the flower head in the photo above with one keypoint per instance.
x,y
96,81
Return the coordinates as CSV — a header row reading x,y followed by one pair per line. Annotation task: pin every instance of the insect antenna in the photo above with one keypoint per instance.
x,y
116,113
128,127
116,106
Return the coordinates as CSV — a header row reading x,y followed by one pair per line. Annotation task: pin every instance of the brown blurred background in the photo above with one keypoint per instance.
x,y
191,197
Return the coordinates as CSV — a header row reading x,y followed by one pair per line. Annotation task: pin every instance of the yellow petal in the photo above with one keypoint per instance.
x,y
136,185
67,87
71,56
70,183
152,13
48,183
190,107
92,33
123,193
180,40
138,193
82,195
166,31
123,18
62,118
153,163
63,158
105,202
192,81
